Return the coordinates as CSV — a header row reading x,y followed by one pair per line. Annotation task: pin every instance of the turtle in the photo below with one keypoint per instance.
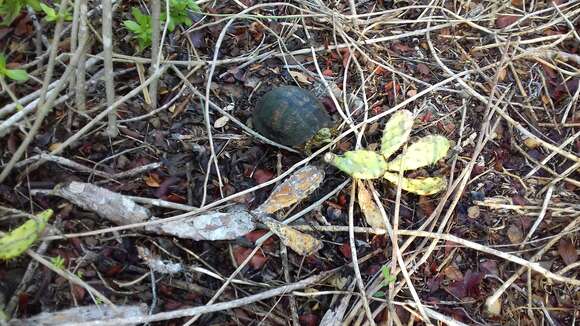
x,y
294,117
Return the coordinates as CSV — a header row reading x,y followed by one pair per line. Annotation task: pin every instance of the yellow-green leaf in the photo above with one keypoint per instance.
x,y
18,240
297,187
302,243
396,133
423,186
369,207
426,151
360,164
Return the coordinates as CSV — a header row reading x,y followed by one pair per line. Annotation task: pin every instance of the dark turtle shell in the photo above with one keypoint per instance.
x,y
290,115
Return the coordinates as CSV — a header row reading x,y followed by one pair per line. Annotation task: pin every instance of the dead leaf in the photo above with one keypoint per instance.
x,y
453,273
261,176
152,180
423,69
369,208
345,250
503,21
221,122
515,234
493,307
53,147
303,244
567,251
256,262
473,212
297,187
300,77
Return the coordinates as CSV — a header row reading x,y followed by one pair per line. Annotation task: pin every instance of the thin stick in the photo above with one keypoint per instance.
x,y
112,129
155,47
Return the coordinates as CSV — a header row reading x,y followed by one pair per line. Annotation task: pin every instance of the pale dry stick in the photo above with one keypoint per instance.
x,y
112,129
99,117
441,317
573,104
544,167
231,117
570,24
536,267
81,84
74,35
541,216
357,274
287,279
568,141
44,103
70,277
155,45
64,162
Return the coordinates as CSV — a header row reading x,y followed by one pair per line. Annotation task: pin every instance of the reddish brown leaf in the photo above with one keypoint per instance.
x,y
345,250
261,176
453,273
423,69
400,47
152,180
241,253
469,286
309,319
567,251
489,266
258,260
503,21
515,234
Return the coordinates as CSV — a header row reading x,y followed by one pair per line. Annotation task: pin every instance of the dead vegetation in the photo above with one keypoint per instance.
x,y
169,208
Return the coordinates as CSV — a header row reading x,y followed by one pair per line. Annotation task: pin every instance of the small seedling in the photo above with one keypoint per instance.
x,y
10,9
365,164
14,74
58,262
388,279
141,27
178,13
52,15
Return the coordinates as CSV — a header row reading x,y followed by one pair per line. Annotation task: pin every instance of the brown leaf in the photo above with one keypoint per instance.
x,y
152,180
489,266
567,251
297,187
309,319
515,234
302,243
345,250
369,208
453,273
423,69
261,176
503,21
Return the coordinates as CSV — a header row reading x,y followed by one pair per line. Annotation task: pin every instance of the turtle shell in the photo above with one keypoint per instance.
x,y
290,115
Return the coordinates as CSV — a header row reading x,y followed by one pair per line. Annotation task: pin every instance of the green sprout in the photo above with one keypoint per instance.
x,y
14,74
58,262
388,279
52,15
365,164
140,27
178,13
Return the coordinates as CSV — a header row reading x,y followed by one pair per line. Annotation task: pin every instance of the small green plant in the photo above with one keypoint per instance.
x,y
365,164
388,279
14,74
52,14
178,13
141,27
10,9
58,262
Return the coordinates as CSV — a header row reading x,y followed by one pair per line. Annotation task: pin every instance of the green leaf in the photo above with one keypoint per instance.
x,y
16,74
379,294
426,151
360,164
397,132
34,4
2,62
388,278
14,243
50,12
423,186
132,26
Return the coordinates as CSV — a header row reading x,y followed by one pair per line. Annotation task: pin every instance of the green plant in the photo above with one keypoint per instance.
x,y
141,27
388,278
58,262
365,164
14,74
178,13
52,15
10,9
